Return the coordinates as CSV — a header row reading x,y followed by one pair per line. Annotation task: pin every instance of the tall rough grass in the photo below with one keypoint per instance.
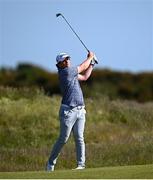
x,y
117,132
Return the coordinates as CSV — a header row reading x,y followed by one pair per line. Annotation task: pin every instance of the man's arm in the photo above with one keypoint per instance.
x,y
86,75
85,65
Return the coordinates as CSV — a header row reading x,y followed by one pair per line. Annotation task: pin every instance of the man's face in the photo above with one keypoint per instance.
x,y
65,63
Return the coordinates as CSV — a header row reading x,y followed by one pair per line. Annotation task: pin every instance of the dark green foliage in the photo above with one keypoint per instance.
x,y
114,84
123,85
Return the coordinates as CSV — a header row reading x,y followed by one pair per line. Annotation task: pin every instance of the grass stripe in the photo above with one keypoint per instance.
x,y
119,172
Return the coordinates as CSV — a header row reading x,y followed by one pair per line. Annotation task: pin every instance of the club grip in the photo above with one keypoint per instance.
x,y
95,59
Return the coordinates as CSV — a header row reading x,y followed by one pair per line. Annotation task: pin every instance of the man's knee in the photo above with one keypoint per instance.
x,y
79,138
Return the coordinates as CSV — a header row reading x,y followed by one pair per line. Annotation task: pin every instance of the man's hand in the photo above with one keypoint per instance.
x,y
84,66
90,55
93,58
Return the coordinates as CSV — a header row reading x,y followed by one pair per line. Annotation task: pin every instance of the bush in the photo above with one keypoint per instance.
x,y
117,132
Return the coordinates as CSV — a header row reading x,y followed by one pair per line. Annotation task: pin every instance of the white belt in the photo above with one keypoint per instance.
x,y
77,107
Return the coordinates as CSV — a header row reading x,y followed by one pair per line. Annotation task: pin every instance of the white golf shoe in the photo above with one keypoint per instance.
x,y
79,168
49,167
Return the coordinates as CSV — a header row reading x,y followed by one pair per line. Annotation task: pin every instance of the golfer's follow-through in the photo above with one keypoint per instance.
x,y
72,110
59,14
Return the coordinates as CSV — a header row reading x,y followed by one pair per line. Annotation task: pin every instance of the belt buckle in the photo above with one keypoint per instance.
x,y
79,107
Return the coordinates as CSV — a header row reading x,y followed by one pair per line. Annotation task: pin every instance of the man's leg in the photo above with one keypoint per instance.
x,y
67,120
78,132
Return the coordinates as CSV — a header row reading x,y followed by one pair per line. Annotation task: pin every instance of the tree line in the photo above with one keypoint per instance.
x,y
114,84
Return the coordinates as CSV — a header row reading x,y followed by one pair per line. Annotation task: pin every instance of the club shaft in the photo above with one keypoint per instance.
x,y
75,33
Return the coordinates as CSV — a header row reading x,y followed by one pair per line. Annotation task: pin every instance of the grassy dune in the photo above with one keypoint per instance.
x,y
117,132
123,172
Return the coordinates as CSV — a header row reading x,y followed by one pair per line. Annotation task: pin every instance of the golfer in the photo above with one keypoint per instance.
x,y
72,111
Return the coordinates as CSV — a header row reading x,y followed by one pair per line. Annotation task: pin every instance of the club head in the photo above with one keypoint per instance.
x,y
58,14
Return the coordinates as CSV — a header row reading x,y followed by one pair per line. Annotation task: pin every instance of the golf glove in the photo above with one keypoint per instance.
x,y
94,61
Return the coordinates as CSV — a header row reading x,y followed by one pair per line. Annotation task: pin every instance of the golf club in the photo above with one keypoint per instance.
x,y
59,14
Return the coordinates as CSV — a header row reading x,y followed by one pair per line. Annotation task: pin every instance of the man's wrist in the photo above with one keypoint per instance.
x,y
91,65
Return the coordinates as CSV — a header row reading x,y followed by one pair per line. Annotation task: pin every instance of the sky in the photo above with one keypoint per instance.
x,y
119,32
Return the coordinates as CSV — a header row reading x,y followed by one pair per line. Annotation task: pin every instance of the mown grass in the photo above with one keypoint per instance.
x,y
117,132
124,172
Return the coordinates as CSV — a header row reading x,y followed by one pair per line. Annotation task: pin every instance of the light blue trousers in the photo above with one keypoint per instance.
x,y
71,119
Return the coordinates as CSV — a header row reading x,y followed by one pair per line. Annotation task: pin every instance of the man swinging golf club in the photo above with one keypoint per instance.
x,y
72,111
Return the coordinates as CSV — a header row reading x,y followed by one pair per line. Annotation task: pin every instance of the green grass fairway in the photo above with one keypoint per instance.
x,y
120,172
